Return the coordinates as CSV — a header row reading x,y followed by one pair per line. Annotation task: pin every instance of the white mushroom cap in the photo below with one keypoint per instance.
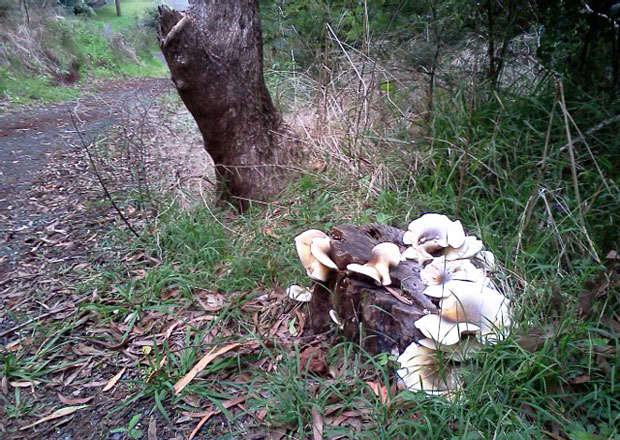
x,y
433,231
382,258
303,243
298,293
486,259
470,247
441,272
416,253
476,303
420,371
320,248
444,330
369,271
334,317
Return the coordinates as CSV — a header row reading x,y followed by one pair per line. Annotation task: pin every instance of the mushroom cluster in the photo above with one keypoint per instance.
x,y
471,309
456,274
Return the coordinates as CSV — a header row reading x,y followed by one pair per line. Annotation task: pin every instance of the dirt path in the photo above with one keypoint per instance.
x,y
30,138
55,248
53,217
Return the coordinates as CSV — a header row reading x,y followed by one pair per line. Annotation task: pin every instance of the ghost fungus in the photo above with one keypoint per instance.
x,y
470,247
433,231
477,304
486,259
320,249
304,245
437,274
420,371
298,293
444,330
383,257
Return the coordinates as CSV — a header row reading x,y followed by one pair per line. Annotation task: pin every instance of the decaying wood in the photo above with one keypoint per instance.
x,y
380,319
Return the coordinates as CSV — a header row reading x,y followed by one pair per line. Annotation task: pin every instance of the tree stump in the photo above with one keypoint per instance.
x,y
379,318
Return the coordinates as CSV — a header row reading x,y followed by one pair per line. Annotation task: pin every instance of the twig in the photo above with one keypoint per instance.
x,y
571,153
99,178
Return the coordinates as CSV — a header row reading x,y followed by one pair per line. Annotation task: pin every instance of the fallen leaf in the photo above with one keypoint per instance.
x,y
317,424
380,391
152,430
208,414
24,384
582,378
612,255
313,358
202,363
396,294
74,401
268,231
113,381
168,293
4,385
55,415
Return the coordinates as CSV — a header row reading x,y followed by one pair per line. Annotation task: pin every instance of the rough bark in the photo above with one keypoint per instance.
x,y
379,318
214,52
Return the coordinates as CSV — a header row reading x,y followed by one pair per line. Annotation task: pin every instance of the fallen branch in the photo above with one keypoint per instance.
x,y
99,178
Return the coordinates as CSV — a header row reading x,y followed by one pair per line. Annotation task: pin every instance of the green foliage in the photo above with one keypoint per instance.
x,y
581,41
297,28
131,430
54,54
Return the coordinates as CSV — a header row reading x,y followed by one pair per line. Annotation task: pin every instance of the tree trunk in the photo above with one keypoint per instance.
x,y
215,56
117,3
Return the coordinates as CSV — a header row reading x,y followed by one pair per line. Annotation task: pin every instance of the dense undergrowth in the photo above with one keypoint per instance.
x,y
529,166
50,54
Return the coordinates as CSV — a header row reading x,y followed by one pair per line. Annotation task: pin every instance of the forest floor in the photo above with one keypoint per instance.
x,y
55,225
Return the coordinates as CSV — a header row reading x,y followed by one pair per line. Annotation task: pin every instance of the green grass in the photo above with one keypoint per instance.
x,y
62,45
21,89
131,10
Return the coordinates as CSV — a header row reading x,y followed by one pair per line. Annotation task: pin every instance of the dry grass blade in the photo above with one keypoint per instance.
x,y
55,415
74,401
202,363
